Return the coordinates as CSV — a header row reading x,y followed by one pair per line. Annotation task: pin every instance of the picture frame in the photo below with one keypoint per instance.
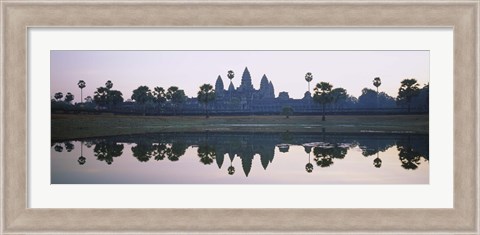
x,y
18,16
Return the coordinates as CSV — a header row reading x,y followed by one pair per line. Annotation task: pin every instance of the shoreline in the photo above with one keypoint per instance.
x,y
74,126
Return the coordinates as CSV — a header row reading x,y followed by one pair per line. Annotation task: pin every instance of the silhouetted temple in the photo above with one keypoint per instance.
x,y
246,99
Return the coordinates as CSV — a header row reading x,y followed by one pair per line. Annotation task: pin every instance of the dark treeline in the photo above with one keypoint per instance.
x,y
245,99
321,149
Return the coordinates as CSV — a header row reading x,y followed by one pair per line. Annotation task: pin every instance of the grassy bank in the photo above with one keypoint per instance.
x,y
65,126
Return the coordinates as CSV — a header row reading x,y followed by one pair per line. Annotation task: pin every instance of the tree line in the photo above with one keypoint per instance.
x,y
160,99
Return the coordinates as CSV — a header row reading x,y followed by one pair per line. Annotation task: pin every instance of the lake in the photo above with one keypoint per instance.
x,y
243,158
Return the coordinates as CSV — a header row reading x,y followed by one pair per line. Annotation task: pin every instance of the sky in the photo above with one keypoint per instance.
x,y
352,70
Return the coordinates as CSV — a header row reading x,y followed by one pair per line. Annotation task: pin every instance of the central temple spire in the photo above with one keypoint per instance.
x,y
246,84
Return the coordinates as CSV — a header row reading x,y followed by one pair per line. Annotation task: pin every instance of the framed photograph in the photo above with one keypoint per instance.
x,y
239,116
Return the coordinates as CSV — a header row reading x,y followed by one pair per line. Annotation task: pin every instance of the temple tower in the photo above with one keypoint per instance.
x,y
246,85
219,89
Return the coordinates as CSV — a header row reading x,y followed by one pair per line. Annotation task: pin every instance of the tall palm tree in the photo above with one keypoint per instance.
x,y
309,166
205,95
408,89
230,74
81,84
159,96
69,97
377,162
142,95
109,84
81,160
309,78
231,168
176,97
322,95
206,153
377,82
58,96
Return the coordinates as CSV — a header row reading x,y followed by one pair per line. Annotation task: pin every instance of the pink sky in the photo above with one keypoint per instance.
x,y
352,70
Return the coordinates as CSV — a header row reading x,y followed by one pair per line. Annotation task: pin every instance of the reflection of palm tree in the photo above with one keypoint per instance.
x,y
105,151
89,144
338,152
81,160
323,156
69,146
206,154
143,152
58,148
177,150
231,169
409,158
309,166
160,151
377,162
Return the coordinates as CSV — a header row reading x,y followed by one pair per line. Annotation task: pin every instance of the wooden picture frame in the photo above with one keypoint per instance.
x,y
18,16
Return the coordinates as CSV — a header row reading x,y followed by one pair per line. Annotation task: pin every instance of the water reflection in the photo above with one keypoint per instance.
x,y
322,150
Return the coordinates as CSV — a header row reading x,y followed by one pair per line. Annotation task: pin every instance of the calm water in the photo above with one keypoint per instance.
x,y
243,158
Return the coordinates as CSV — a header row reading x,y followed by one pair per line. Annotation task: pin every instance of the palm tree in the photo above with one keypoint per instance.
x,y
176,96
81,84
377,82
206,154
322,95
408,89
159,95
101,96
230,74
58,96
142,95
114,98
109,84
69,97
205,95
339,95
309,78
